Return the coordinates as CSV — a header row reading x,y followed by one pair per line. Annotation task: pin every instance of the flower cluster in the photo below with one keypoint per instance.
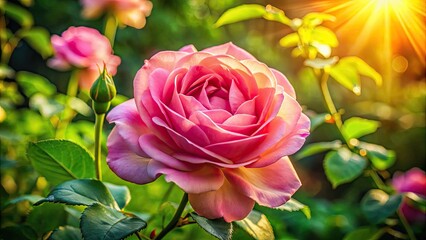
x,y
218,123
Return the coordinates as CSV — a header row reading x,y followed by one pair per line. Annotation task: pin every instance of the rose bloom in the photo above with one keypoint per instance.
x,y
218,123
413,181
128,12
84,48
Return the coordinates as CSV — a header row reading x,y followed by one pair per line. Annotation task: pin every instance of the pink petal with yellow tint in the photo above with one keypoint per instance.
x,y
227,202
230,49
269,186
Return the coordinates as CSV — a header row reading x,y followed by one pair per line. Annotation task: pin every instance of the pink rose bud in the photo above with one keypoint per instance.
x,y
218,123
86,49
413,183
128,12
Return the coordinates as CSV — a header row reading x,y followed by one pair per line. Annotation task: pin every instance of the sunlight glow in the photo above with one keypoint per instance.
x,y
398,20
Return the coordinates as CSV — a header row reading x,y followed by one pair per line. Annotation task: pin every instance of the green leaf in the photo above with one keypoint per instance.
x,y
380,157
80,106
366,233
119,99
47,217
67,232
81,192
290,40
347,75
32,83
39,39
319,147
18,14
61,160
356,127
45,105
18,232
216,227
316,18
378,205
121,194
316,119
30,198
241,13
276,14
294,205
321,63
343,166
99,222
348,70
364,69
257,225
325,36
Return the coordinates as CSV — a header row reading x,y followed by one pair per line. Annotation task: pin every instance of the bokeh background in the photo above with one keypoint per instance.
x,y
387,34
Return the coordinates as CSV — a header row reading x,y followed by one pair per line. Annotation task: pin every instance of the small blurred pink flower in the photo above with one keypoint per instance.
x,y
128,12
218,123
84,48
413,181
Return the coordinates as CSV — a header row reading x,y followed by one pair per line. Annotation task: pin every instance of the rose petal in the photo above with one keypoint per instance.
x,y
188,146
226,202
288,145
230,49
129,125
204,179
269,186
124,162
188,48
283,81
159,151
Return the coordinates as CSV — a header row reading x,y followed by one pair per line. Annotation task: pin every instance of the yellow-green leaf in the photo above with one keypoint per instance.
x,y
241,13
290,40
364,69
347,75
18,14
39,39
356,127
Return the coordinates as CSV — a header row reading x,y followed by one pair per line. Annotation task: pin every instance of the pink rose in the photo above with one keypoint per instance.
x,y
128,12
413,181
83,48
218,123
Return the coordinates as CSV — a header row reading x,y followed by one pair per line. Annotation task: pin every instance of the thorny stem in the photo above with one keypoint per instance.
x,y
172,224
99,121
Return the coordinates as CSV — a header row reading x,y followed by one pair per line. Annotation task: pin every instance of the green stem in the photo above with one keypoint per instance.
x,y
407,227
172,224
110,28
331,107
68,113
166,194
377,180
99,121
